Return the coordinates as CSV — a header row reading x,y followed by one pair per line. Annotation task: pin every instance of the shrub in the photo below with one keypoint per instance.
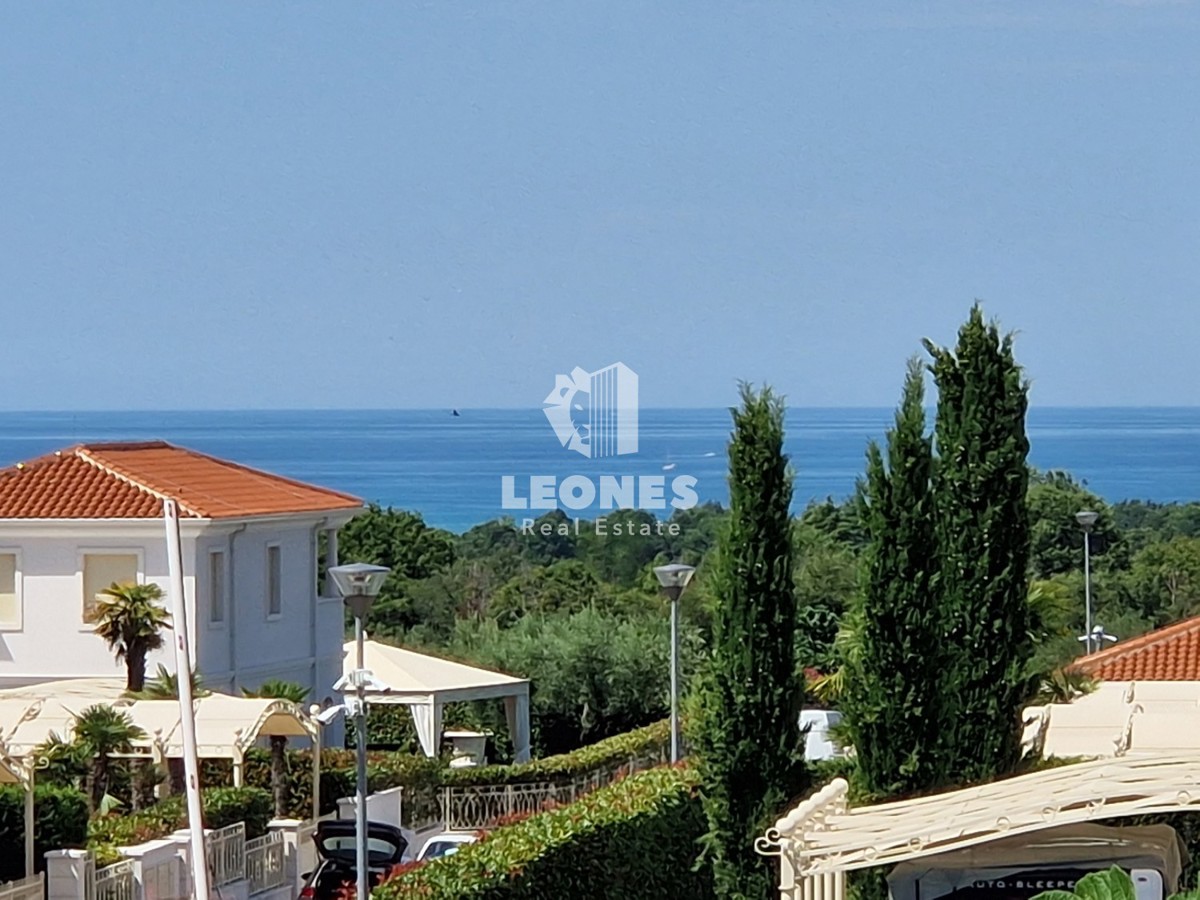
x,y
633,839
652,741
222,806
60,821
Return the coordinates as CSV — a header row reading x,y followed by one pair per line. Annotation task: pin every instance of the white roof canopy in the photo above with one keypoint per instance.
x,y
426,683
1119,718
226,726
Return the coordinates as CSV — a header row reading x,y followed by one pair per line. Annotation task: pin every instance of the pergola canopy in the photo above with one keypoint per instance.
x,y
426,683
1119,718
226,726
821,838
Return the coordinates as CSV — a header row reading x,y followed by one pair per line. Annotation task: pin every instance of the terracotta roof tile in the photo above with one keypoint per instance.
x,y
130,481
1168,654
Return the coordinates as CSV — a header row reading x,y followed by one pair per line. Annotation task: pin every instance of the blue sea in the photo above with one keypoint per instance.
x,y
450,468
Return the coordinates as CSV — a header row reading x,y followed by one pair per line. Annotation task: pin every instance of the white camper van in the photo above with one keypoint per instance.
x,y
1023,866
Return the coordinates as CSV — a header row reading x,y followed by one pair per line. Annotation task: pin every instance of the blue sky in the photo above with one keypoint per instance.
x,y
437,204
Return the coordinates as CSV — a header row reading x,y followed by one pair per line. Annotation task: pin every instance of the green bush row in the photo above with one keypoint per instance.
x,y
651,741
222,806
634,839
60,821
422,777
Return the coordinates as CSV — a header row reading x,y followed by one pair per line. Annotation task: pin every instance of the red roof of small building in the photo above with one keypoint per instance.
x,y
131,480
1167,654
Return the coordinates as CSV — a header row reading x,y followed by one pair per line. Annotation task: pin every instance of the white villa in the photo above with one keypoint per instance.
x,y
76,521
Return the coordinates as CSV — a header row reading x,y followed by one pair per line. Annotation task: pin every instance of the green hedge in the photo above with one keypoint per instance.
x,y
60,821
222,806
633,840
422,777
652,740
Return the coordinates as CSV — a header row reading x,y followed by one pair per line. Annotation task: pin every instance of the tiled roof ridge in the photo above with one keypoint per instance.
x,y
1139,643
85,453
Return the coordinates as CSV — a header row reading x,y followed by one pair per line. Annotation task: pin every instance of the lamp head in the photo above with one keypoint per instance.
x,y
1087,519
359,584
674,578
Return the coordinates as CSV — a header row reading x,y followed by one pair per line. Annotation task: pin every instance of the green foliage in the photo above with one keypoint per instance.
x,y
61,822
652,741
566,586
165,686
827,574
592,674
982,526
895,704
747,738
397,539
634,839
1113,884
222,806
99,732
131,619
1055,538
1164,579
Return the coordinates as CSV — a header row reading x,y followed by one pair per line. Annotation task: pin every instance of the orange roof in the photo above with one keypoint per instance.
x,y
130,481
1168,654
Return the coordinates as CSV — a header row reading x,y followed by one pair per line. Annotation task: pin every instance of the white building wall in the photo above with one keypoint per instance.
x,y
54,641
302,644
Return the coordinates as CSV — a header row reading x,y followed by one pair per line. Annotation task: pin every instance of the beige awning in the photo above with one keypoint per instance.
x,y
226,726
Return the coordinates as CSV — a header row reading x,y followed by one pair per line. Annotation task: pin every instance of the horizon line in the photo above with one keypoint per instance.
x,y
448,409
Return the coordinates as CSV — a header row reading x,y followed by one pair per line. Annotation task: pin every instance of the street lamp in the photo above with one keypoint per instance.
x,y
359,584
1087,520
674,578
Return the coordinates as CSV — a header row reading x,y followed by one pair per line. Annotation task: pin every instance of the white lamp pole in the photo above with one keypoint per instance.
x,y
187,714
674,578
1087,520
359,584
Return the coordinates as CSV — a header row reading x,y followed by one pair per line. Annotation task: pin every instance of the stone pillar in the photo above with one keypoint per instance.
x,y
66,874
156,869
290,829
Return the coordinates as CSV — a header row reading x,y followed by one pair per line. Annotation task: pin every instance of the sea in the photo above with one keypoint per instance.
x,y
452,468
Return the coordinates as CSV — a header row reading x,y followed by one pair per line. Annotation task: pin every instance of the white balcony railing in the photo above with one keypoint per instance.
x,y
265,868
227,854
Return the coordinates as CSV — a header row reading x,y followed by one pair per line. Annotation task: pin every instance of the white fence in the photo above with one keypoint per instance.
x,y
30,888
226,848
265,865
473,807
115,882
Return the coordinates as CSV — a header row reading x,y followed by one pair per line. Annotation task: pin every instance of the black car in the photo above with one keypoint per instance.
x,y
335,839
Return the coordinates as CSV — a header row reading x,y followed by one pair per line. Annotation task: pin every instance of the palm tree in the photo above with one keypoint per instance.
x,y
165,686
131,619
60,762
294,693
101,731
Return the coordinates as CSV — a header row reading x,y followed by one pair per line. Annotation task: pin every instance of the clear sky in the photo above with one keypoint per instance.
x,y
443,204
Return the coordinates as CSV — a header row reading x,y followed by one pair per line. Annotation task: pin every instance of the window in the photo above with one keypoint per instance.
x,y
274,582
101,570
216,587
10,595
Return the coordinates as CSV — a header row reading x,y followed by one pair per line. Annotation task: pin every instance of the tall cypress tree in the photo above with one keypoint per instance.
x,y
748,741
892,706
982,532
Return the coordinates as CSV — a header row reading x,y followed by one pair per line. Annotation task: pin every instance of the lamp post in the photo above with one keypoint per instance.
x,y
1087,521
359,584
674,578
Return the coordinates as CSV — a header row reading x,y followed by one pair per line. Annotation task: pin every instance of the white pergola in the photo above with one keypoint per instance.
x,y
1119,718
821,838
426,683
226,727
